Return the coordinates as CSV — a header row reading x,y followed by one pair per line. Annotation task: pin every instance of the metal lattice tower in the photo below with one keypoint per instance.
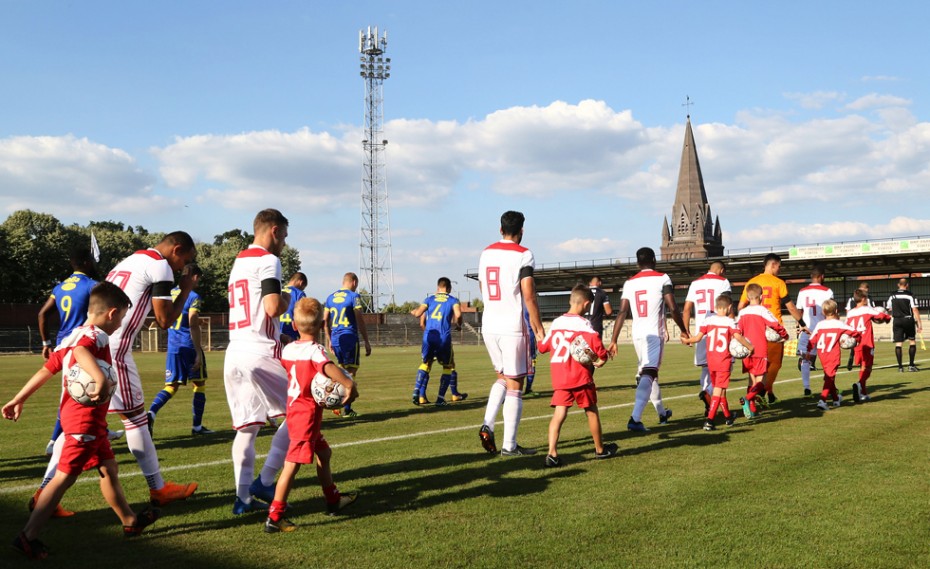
x,y
375,263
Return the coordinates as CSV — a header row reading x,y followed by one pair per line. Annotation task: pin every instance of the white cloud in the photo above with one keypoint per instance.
x,y
589,248
817,99
869,78
874,100
798,233
74,178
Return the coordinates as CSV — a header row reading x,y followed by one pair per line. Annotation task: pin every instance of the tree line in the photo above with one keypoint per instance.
x,y
35,251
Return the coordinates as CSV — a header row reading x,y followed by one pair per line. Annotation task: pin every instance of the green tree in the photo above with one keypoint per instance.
x,y
32,258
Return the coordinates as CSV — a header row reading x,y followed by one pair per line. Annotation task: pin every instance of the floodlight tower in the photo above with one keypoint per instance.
x,y
375,261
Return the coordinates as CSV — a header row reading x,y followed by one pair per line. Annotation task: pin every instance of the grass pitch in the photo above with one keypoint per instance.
x,y
795,488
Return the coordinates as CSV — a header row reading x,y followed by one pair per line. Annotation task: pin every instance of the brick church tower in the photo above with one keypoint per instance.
x,y
693,232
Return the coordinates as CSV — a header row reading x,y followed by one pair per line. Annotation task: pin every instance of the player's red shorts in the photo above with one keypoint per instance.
x,y
304,431
584,396
720,379
79,455
755,366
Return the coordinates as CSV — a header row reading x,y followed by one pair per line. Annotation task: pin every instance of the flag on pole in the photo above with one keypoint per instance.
x,y
923,345
94,248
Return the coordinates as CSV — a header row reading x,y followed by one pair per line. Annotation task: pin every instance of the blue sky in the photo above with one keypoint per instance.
x,y
811,121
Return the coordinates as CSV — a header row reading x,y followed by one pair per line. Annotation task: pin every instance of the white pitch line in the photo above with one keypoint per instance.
x,y
134,473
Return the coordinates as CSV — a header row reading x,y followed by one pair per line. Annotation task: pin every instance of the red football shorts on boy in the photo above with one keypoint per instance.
x,y
755,366
864,356
304,431
584,396
720,379
79,454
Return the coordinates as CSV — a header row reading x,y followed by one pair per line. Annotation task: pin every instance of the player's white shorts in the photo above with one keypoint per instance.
x,y
649,351
256,388
700,353
128,393
510,355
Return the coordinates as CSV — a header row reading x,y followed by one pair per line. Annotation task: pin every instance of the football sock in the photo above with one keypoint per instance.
x,y
53,462
714,403
276,454
655,396
56,430
422,378
897,354
529,382
331,494
643,390
444,381
199,403
513,409
911,352
141,446
725,406
495,400
423,386
276,511
243,459
454,382
806,373
163,397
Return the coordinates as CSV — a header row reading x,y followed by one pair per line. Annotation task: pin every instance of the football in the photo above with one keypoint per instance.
x,y
772,336
81,386
327,393
738,350
581,351
847,342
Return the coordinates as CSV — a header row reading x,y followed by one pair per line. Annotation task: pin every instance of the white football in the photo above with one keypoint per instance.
x,y
81,386
772,336
847,342
581,351
326,392
738,350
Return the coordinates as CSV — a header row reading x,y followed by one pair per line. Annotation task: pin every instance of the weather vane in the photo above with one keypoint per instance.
x,y
687,104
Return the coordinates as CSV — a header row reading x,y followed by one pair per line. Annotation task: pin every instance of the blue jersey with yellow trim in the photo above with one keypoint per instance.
x,y
340,311
72,296
440,310
287,319
179,335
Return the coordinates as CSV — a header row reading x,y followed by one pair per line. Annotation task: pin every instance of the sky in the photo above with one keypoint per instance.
x,y
811,121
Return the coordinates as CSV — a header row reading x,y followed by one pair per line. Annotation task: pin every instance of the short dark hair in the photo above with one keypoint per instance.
x,y
181,238
512,222
859,294
299,276
645,257
192,269
772,257
81,256
267,218
582,292
445,283
106,295
818,270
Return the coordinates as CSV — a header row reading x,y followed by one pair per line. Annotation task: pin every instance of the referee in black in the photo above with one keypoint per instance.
x,y
905,323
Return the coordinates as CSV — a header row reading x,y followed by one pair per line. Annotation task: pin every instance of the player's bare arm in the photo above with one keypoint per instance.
x,y
742,340
418,311
194,322
618,325
528,290
165,309
333,372
917,319
687,312
457,317
44,313
363,330
676,315
608,309
88,363
795,313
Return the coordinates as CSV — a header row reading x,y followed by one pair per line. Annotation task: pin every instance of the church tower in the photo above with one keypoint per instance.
x,y
693,232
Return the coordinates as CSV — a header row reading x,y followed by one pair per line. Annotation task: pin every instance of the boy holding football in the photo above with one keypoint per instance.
x,y
752,322
860,319
86,444
826,339
572,381
719,329
304,359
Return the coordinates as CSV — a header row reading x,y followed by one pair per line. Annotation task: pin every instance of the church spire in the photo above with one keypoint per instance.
x,y
691,232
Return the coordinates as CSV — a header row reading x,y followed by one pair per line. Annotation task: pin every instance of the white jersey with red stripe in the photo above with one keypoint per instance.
x,y
646,292
501,268
703,292
251,330
144,275
810,301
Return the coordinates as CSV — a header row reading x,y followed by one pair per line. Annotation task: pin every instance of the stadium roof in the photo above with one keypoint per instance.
x,y
887,258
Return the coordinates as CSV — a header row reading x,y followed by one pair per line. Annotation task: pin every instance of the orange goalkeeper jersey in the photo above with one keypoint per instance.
x,y
774,292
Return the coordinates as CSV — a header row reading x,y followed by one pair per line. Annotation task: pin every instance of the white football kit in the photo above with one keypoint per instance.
x,y
645,291
256,382
703,293
501,268
810,301
144,275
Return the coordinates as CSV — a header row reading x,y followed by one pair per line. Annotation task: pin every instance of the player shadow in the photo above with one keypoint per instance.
x,y
333,422
690,435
